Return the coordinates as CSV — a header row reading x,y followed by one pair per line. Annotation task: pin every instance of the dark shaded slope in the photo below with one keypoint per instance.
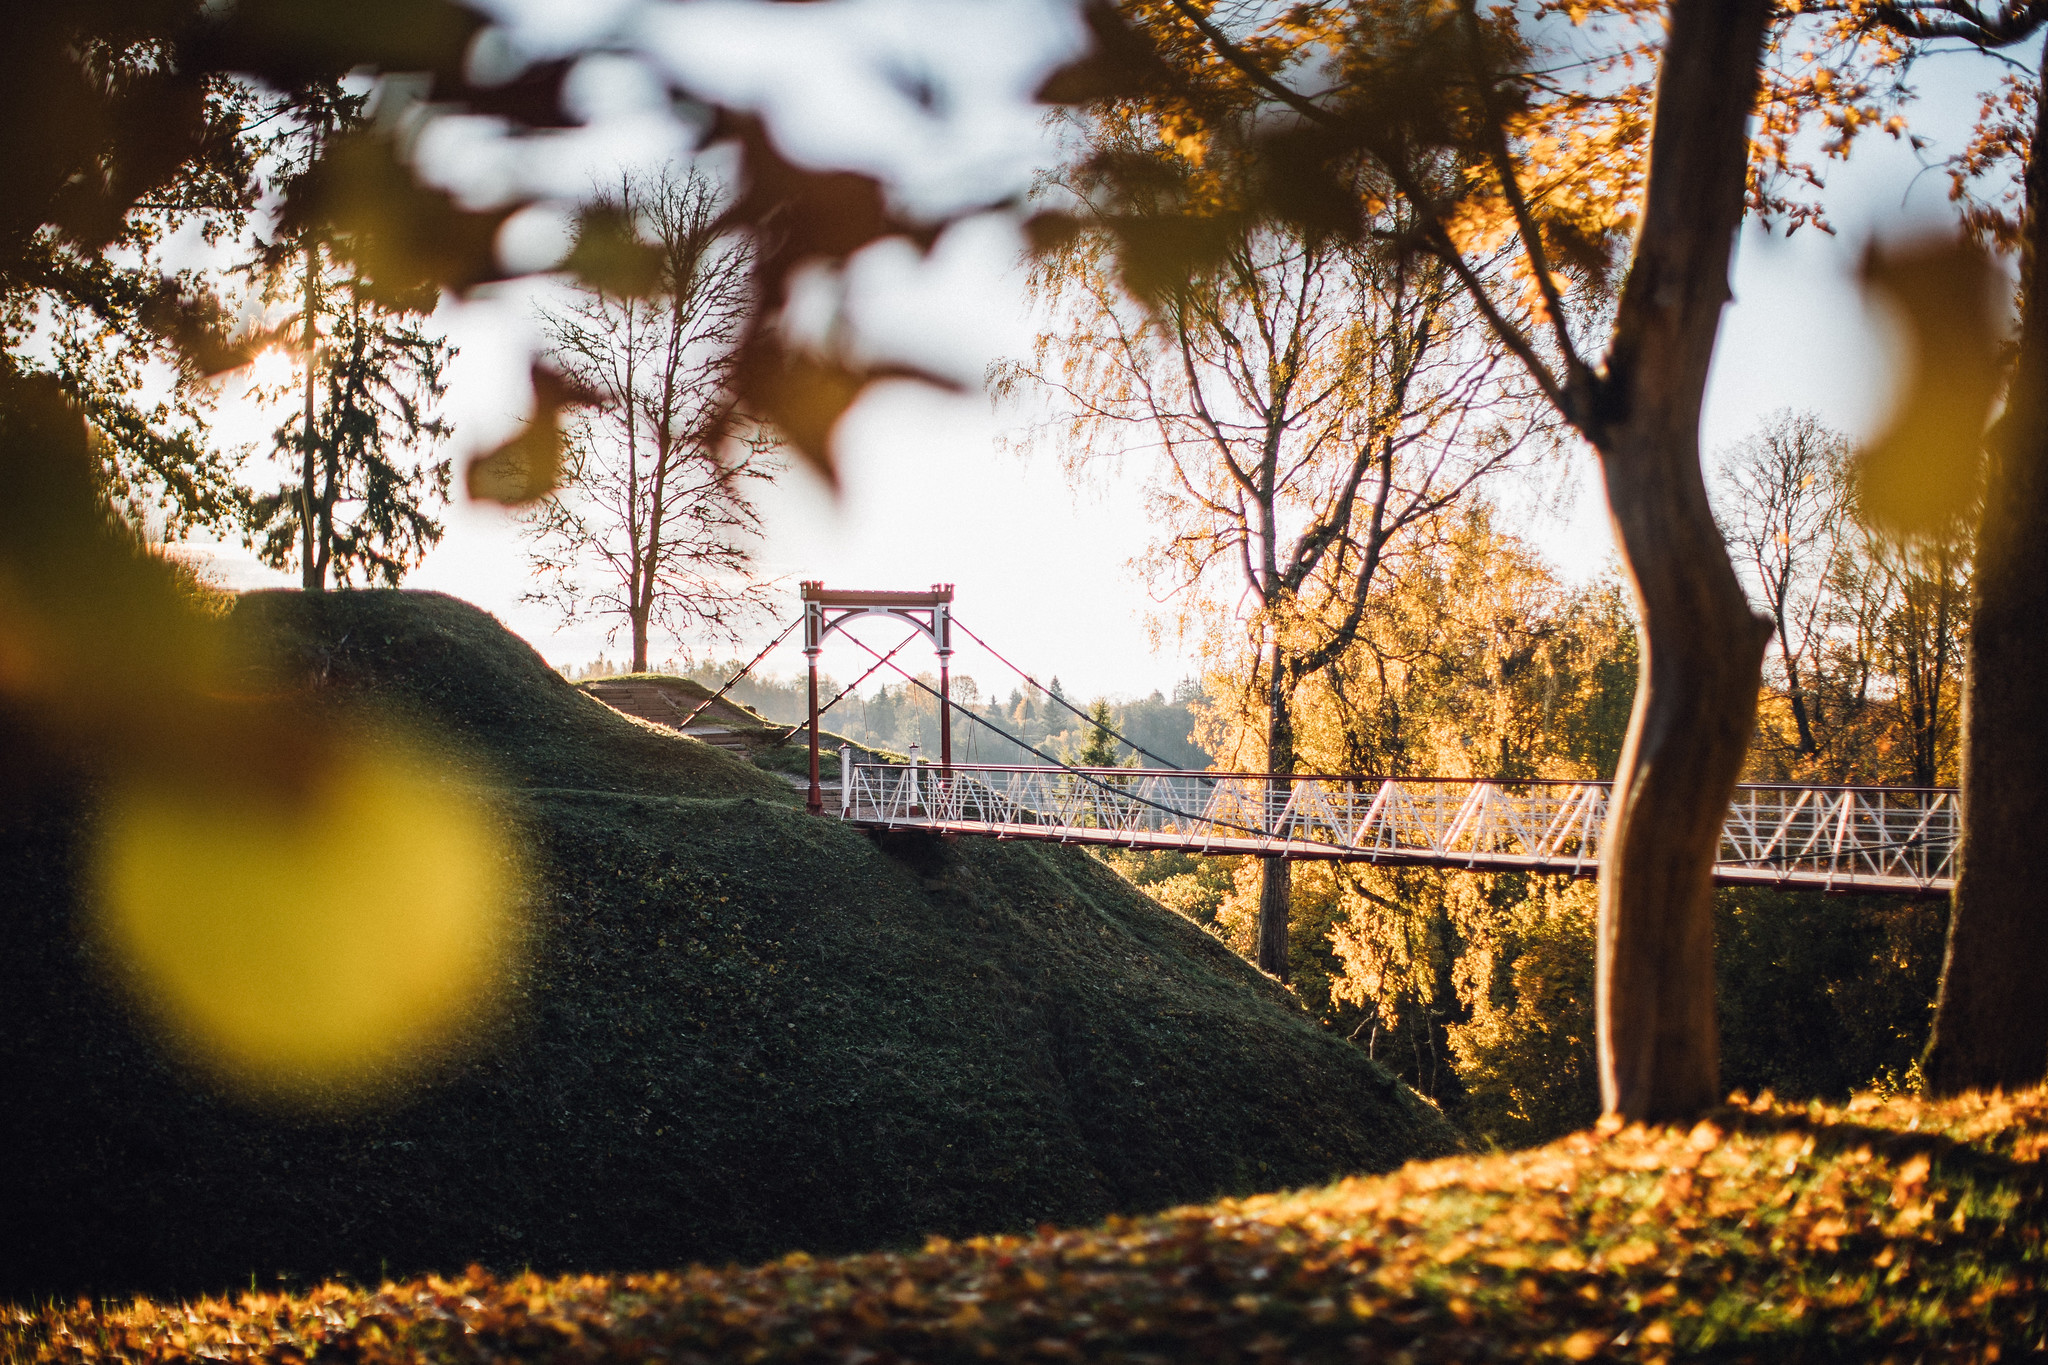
x,y
745,1029
454,669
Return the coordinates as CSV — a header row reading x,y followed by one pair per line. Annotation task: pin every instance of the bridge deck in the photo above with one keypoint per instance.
x,y
1880,839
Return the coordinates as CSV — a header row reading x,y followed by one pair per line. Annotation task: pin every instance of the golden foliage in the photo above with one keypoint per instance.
x,y
1525,1054
1474,660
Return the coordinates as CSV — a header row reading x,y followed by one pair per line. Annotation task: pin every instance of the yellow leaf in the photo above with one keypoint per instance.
x,y
310,946
1921,477
1584,1345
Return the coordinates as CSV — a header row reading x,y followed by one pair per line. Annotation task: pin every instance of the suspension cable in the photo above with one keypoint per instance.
x,y
1069,768
734,680
1130,743
847,691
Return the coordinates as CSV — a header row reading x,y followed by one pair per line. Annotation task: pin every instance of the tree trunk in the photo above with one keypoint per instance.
x,y
1702,647
1991,1019
1793,693
639,619
323,522
1276,880
310,576
1695,707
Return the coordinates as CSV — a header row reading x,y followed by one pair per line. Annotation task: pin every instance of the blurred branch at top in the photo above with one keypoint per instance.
x,y
129,120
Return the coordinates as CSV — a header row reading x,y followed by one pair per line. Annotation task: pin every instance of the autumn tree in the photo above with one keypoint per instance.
x,y
1301,408
1939,474
1479,661
1991,1020
1484,140
652,498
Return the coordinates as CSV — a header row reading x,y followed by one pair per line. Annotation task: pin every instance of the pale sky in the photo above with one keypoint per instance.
x,y
926,495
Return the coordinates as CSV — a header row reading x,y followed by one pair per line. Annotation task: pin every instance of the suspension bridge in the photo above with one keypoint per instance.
x,y
1828,838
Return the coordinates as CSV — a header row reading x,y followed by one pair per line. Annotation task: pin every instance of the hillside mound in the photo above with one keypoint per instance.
x,y
454,670
742,1030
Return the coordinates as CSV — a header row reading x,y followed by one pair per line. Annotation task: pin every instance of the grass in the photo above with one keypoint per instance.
x,y
741,1030
1895,1230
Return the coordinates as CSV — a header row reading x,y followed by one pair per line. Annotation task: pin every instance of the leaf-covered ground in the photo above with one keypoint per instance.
x,y
1896,1230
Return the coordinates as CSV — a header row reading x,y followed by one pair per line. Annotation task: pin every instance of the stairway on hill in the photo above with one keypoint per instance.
x,y
669,705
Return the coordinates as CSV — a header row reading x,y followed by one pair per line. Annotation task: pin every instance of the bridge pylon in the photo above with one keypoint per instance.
x,y
829,609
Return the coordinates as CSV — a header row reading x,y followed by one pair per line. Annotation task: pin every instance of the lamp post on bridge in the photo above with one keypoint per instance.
x,y
827,609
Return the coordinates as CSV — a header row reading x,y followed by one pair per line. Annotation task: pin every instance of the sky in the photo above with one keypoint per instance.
x,y
928,493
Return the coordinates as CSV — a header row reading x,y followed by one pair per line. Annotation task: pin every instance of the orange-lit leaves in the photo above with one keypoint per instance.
x,y
1637,1245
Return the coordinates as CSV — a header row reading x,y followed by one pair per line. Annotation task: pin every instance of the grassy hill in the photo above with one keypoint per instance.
x,y
1875,1231
743,1030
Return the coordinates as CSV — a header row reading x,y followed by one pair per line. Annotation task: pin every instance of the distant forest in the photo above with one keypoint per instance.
x,y
899,715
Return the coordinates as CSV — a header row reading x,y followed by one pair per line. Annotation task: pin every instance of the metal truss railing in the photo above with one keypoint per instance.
x,y
1833,838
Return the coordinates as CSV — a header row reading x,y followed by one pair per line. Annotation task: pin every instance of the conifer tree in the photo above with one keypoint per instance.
x,y
1101,749
365,430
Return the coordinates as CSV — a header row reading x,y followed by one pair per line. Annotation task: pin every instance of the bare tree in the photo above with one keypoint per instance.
x,y
1785,493
652,503
1923,589
1305,404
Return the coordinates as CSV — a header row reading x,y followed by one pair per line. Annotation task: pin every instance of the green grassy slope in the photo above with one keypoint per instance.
x,y
743,1030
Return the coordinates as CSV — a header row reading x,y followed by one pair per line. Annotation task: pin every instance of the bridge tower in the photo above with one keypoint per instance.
x,y
827,609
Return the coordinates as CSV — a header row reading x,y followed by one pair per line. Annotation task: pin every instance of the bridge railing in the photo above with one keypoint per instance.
x,y
1878,838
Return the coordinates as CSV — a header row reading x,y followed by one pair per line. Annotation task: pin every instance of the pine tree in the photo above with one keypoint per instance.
x,y
366,427
1100,750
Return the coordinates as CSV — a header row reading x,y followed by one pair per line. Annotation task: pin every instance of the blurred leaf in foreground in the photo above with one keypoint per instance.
x,y
1921,477
314,906
316,947
527,467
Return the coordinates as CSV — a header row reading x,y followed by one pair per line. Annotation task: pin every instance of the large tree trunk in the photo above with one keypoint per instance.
x,y
1702,647
1276,880
1991,1021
